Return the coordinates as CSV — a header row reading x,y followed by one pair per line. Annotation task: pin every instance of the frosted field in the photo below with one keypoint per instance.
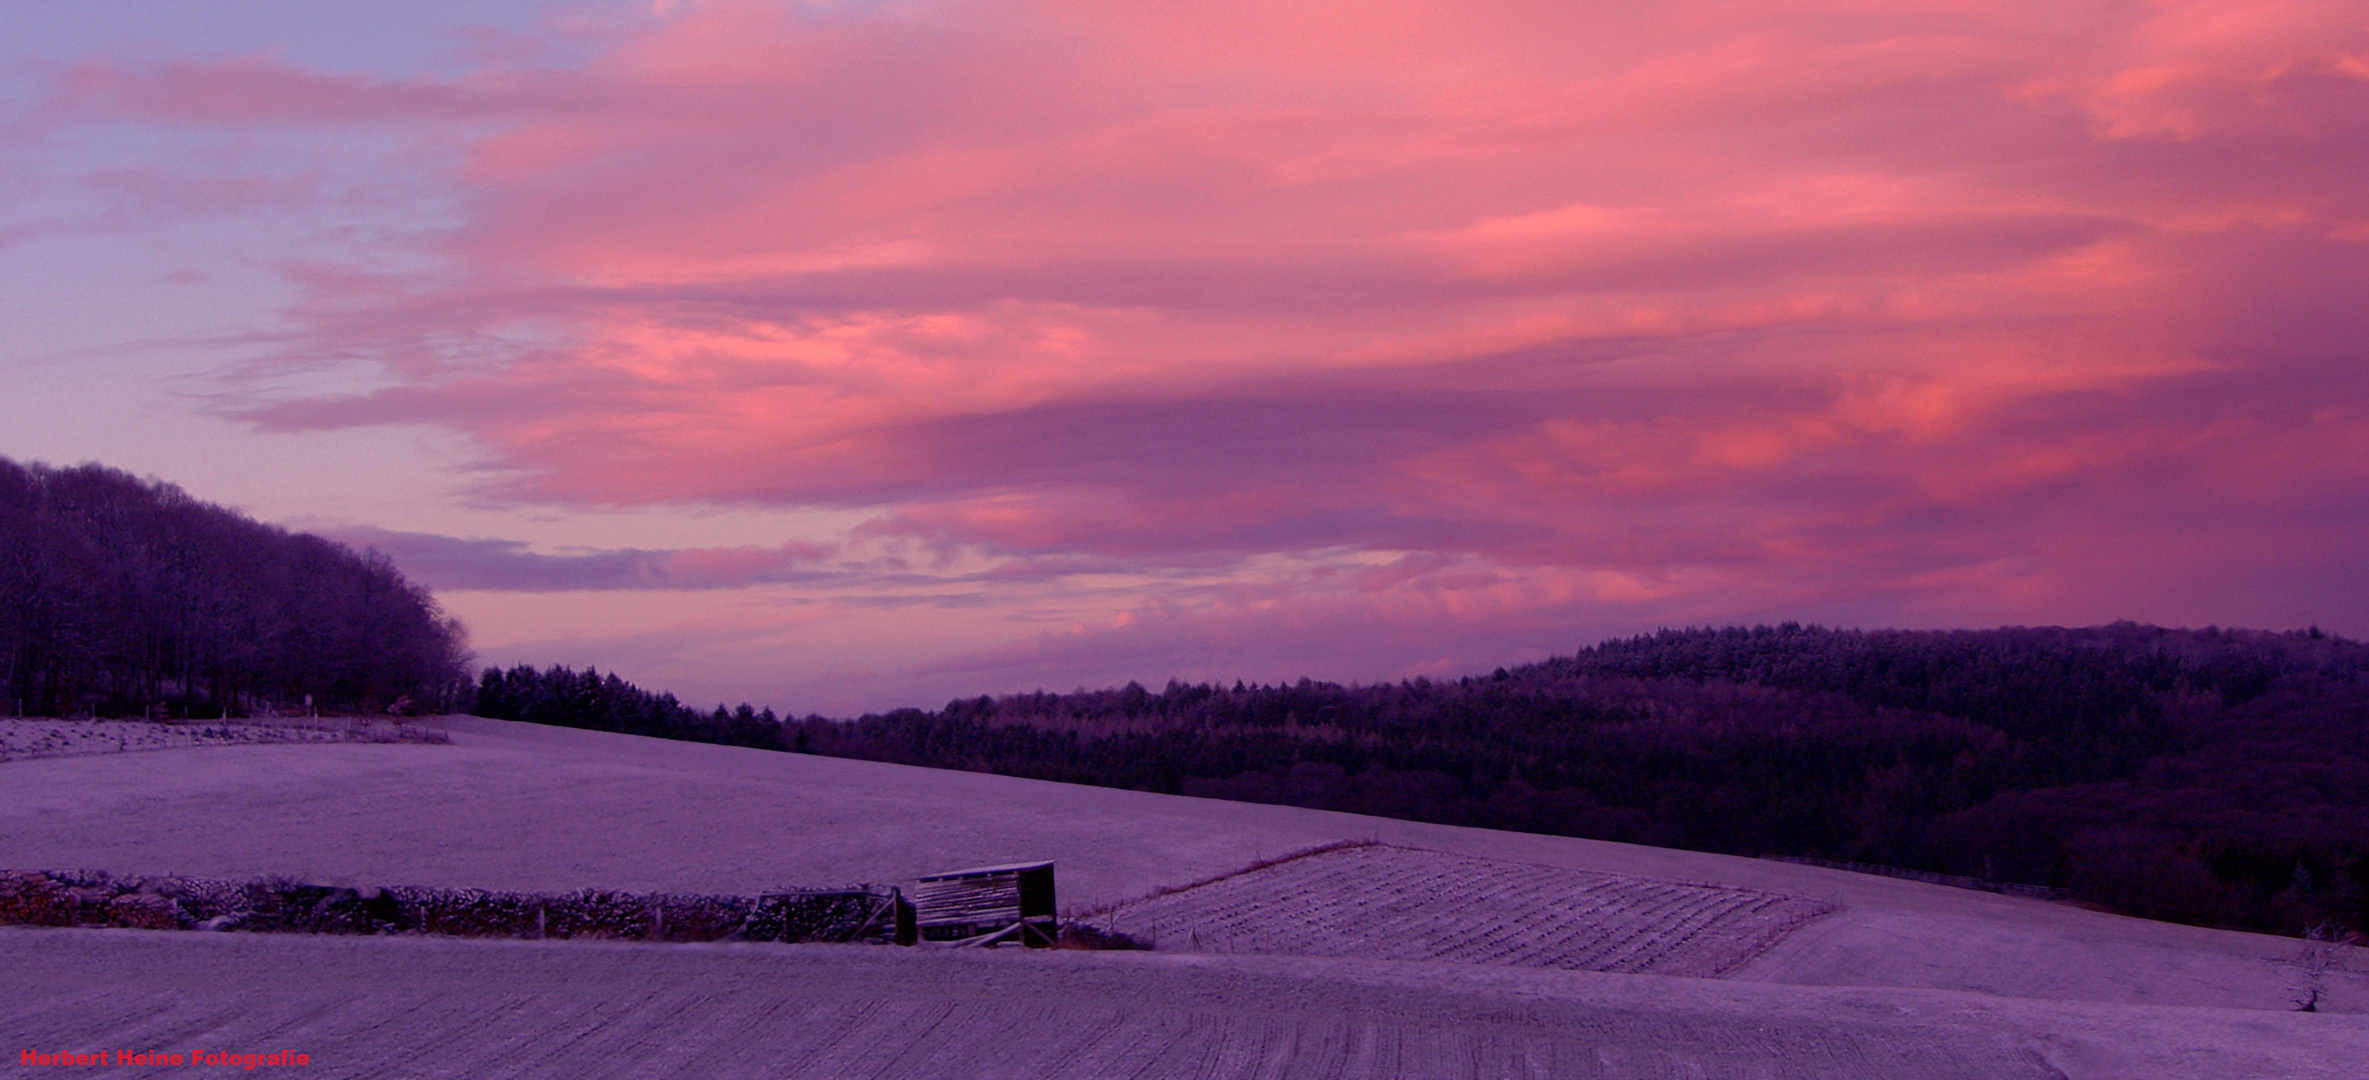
x,y
430,1008
1899,979
424,1007
1383,902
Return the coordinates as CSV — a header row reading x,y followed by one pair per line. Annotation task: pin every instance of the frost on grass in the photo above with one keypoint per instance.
x,y
1382,902
39,737
422,1006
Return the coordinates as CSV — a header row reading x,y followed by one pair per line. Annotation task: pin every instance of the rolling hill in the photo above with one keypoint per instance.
x,y
1861,976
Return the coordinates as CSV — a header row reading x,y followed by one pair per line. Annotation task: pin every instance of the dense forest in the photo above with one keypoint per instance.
x,y
124,597
2212,777
588,699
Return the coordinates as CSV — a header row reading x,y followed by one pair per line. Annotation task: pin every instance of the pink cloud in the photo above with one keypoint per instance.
x,y
1711,307
509,566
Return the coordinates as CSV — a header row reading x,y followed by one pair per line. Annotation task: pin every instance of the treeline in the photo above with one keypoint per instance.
x,y
124,597
566,698
2212,777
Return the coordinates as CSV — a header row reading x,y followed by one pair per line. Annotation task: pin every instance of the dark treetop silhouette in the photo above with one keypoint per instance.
x,y
119,595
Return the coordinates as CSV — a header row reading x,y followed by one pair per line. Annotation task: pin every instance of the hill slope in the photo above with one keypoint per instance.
x,y
2214,777
1918,980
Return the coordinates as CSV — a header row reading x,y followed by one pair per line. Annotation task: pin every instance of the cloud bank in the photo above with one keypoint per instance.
x,y
444,562
1468,325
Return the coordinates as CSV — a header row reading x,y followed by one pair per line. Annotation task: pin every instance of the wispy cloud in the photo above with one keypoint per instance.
x,y
511,566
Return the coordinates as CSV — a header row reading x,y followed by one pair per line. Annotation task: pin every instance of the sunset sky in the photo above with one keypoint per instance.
x,y
839,356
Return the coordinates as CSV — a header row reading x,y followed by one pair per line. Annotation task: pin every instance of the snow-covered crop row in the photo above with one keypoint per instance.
x,y
35,737
487,1010
1381,902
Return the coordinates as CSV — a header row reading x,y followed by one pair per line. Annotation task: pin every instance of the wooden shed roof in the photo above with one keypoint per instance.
x,y
983,870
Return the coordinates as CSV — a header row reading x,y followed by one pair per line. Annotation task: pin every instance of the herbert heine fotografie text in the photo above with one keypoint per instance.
x,y
109,1058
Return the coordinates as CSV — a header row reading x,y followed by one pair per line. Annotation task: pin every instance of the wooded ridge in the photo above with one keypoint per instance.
x,y
2218,777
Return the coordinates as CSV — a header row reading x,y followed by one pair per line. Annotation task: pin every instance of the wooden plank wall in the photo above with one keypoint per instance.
x,y
976,901
963,904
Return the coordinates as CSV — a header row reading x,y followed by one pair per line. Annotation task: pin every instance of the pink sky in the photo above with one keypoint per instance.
x,y
841,356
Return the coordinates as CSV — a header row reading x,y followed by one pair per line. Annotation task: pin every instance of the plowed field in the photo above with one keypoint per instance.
x,y
1907,980
1384,902
422,1008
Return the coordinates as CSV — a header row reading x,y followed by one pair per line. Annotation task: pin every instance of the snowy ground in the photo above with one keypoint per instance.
x,y
424,1007
1904,979
1385,902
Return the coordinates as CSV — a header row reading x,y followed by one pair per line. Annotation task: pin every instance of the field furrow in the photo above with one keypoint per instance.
x,y
427,1008
1382,902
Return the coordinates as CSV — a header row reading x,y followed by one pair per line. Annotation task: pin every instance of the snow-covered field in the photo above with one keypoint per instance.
x,y
1899,979
429,1008
1385,902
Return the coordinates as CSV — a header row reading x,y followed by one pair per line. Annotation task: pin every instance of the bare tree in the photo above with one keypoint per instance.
x,y
2324,949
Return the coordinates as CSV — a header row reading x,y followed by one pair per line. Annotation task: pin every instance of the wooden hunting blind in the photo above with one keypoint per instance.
x,y
987,905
